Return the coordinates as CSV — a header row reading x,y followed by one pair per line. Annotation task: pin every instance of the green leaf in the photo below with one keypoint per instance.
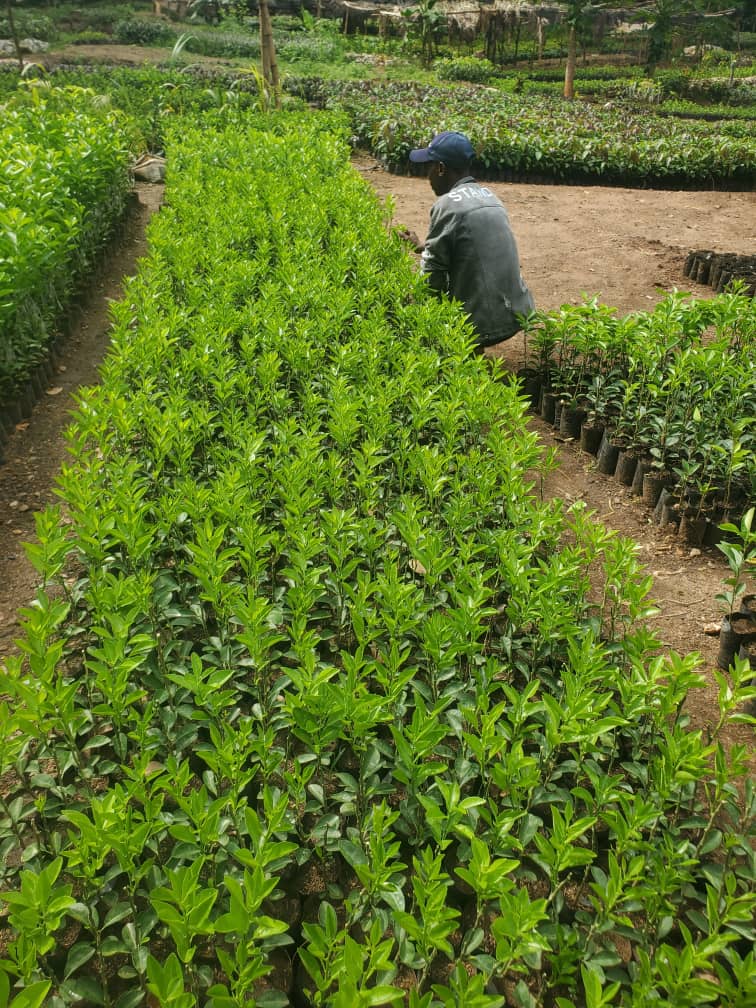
x,y
381,995
473,940
352,854
714,873
79,954
272,999
118,912
83,989
80,912
113,945
522,996
130,999
32,996
713,840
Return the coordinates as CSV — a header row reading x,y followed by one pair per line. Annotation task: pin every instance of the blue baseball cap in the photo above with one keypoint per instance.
x,y
448,147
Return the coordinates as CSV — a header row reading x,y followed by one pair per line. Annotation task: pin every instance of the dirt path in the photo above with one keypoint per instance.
x,y
36,451
112,54
627,246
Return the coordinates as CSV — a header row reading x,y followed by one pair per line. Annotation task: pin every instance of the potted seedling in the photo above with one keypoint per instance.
x,y
544,340
532,375
738,627
597,398
659,476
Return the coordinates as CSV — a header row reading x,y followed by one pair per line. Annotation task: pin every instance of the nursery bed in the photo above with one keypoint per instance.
x,y
627,246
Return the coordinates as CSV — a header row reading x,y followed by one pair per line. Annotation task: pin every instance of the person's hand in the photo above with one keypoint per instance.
x,y
410,237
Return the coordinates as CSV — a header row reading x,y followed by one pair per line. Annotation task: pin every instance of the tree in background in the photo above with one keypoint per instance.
x,y
578,19
217,9
660,32
701,20
424,20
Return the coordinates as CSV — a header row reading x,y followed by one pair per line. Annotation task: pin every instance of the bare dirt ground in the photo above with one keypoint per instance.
x,y
127,55
626,246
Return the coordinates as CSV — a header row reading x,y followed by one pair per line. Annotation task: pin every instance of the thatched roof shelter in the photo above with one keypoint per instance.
x,y
462,17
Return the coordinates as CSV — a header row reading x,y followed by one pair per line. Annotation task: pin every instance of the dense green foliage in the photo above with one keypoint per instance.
x,y
151,98
321,42
523,134
63,185
676,384
465,68
315,677
28,24
56,22
139,31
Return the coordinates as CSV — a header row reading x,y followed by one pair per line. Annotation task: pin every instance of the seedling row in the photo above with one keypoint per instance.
x,y
515,135
672,388
63,189
319,703
527,135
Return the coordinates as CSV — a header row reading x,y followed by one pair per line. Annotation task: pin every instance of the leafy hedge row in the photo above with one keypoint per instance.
x,y
150,98
63,187
524,134
293,46
318,702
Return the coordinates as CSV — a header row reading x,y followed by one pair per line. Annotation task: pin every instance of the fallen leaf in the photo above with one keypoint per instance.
x,y
711,629
22,426
417,567
55,390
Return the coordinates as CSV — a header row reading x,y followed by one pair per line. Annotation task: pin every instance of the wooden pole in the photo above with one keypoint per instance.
x,y
268,52
569,71
14,34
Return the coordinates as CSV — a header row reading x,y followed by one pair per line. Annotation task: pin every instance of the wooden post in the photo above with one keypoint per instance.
x,y
14,34
268,52
569,72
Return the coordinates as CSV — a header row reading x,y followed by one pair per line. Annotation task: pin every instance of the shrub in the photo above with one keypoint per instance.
x,y
223,43
716,57
95,17
672,82
322,629
723,91
29,26
137,32
465,68
63,184
643,90
522,134
90,38
313,46
282,22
